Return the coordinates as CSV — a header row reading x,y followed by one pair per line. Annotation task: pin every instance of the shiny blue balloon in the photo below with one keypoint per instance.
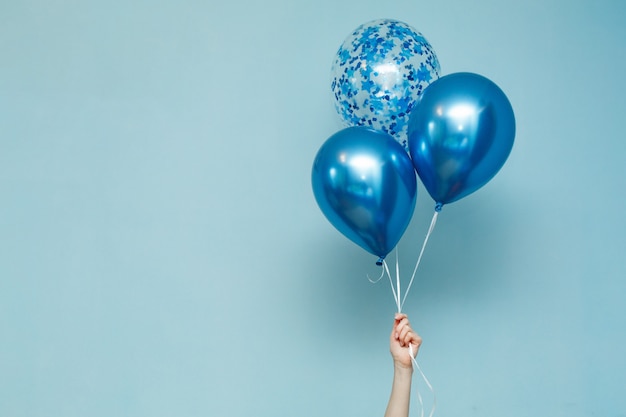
x,y
460,134
365,184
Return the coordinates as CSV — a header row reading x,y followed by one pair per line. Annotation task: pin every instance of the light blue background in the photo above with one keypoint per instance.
x,y
161,252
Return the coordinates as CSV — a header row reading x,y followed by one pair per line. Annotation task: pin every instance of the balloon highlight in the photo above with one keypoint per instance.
x,y
365,185
460,134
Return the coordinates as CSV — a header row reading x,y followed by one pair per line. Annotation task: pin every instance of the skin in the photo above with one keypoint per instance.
x,y
402,335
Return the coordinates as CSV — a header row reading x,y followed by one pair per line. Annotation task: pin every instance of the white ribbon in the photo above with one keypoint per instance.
x,y
419,259
430,387
396,291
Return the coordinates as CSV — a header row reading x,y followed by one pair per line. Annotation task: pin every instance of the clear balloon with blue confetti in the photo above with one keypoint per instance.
x,y
379,73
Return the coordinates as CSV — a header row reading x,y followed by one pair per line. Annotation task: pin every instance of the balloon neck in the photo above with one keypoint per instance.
x,y
438,207
380,260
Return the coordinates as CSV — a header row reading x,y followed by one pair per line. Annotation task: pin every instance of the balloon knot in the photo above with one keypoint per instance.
x,y
438,207
379,262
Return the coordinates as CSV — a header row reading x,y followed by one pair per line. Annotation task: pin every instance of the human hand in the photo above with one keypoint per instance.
x,y
403,336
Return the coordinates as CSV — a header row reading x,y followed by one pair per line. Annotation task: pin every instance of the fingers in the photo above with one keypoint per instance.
x,y
400,316
403,333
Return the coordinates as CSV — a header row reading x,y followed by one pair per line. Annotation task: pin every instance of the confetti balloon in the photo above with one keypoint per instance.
x,y
378,74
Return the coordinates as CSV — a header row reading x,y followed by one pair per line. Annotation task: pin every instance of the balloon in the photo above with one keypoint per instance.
x,y
365,185
379,72
460,134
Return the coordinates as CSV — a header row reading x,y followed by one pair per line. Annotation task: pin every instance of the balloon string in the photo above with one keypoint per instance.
x,y
374,281
419,259
396,294
428,384
398,281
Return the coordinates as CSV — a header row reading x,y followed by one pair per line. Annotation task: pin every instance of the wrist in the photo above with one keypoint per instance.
x,y
402,369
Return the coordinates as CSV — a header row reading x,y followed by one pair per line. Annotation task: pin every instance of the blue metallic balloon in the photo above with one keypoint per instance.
x,y
460,134
365,184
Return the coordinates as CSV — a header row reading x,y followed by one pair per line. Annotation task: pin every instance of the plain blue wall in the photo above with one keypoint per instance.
x,y
161,252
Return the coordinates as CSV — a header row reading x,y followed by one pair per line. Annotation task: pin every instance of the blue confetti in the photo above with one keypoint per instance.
x,y
378,74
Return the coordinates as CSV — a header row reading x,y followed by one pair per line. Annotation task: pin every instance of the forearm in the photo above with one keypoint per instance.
x,y
400,392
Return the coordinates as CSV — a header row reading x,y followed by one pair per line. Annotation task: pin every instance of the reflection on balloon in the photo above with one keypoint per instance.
x,y
365,185
460,134
379,72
